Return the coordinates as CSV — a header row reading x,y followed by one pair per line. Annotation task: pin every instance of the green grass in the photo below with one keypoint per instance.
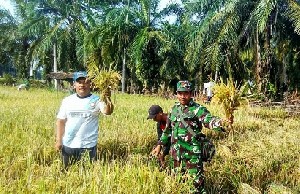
x,y
262,154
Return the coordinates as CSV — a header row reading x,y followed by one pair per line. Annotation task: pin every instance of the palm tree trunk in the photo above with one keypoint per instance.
x,y
124,72
55,65
216,74
257,61
267,61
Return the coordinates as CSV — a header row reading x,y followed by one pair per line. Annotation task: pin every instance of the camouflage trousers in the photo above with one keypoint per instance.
x,y
190,165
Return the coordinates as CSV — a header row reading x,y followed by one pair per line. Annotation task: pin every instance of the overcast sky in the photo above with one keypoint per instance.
x,y
163,3
7,5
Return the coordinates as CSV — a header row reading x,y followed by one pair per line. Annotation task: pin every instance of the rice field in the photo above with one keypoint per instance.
x,y
261,156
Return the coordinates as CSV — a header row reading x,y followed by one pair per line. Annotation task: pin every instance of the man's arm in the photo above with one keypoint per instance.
x,y
109,107
60,130
164,139
209,121
159,131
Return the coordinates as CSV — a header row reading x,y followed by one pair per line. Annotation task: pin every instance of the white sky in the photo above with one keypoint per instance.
x,y
7,5
163,3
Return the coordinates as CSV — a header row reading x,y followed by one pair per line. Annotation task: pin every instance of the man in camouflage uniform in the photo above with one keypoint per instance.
x,y
187,118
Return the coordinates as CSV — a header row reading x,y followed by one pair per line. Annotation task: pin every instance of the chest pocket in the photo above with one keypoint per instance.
x,y
176,115
188,118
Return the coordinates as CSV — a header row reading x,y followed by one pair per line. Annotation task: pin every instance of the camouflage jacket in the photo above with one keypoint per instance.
x,y
193,114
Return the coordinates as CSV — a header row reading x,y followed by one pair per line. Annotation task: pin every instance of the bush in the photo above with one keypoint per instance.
x,y
38,83
7,80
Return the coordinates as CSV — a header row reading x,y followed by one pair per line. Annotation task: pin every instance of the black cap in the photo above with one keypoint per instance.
x,y
153,111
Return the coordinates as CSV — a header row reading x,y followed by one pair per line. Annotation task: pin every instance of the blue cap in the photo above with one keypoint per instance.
x,y
79,74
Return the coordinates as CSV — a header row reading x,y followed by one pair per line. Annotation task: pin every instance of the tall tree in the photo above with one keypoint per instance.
x,y
109,39
59,23
149,39
236,26
128,35
9,45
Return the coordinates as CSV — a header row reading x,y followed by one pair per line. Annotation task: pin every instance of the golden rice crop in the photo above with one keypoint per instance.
x,y
263,155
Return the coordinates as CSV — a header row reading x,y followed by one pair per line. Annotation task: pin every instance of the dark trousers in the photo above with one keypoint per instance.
x,y
209,98
73,155
166,148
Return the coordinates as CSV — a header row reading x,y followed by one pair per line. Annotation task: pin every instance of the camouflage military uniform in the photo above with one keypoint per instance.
x,y
185,148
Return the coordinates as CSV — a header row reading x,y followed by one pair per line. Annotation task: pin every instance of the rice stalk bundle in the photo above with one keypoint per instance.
x,y
229,97
104,80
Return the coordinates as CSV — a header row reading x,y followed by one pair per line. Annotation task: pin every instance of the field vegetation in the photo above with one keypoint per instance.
x,y
262,156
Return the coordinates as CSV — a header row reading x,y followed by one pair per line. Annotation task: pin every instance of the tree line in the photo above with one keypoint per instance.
x,y
255,40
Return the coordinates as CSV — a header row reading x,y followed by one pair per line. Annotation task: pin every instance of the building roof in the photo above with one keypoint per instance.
x,y
60,75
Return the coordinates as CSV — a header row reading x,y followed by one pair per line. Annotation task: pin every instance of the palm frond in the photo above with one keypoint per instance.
x,y
294,14
222,27
262,13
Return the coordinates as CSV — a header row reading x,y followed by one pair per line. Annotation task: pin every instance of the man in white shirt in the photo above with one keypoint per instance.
x,y
77,121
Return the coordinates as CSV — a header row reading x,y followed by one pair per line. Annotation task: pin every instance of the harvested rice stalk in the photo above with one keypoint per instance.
x,y
104,80
229,97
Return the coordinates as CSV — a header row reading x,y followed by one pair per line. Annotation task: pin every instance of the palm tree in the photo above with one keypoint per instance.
x,y
9,45
127,34
148,42
55,25
234,27
109,39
